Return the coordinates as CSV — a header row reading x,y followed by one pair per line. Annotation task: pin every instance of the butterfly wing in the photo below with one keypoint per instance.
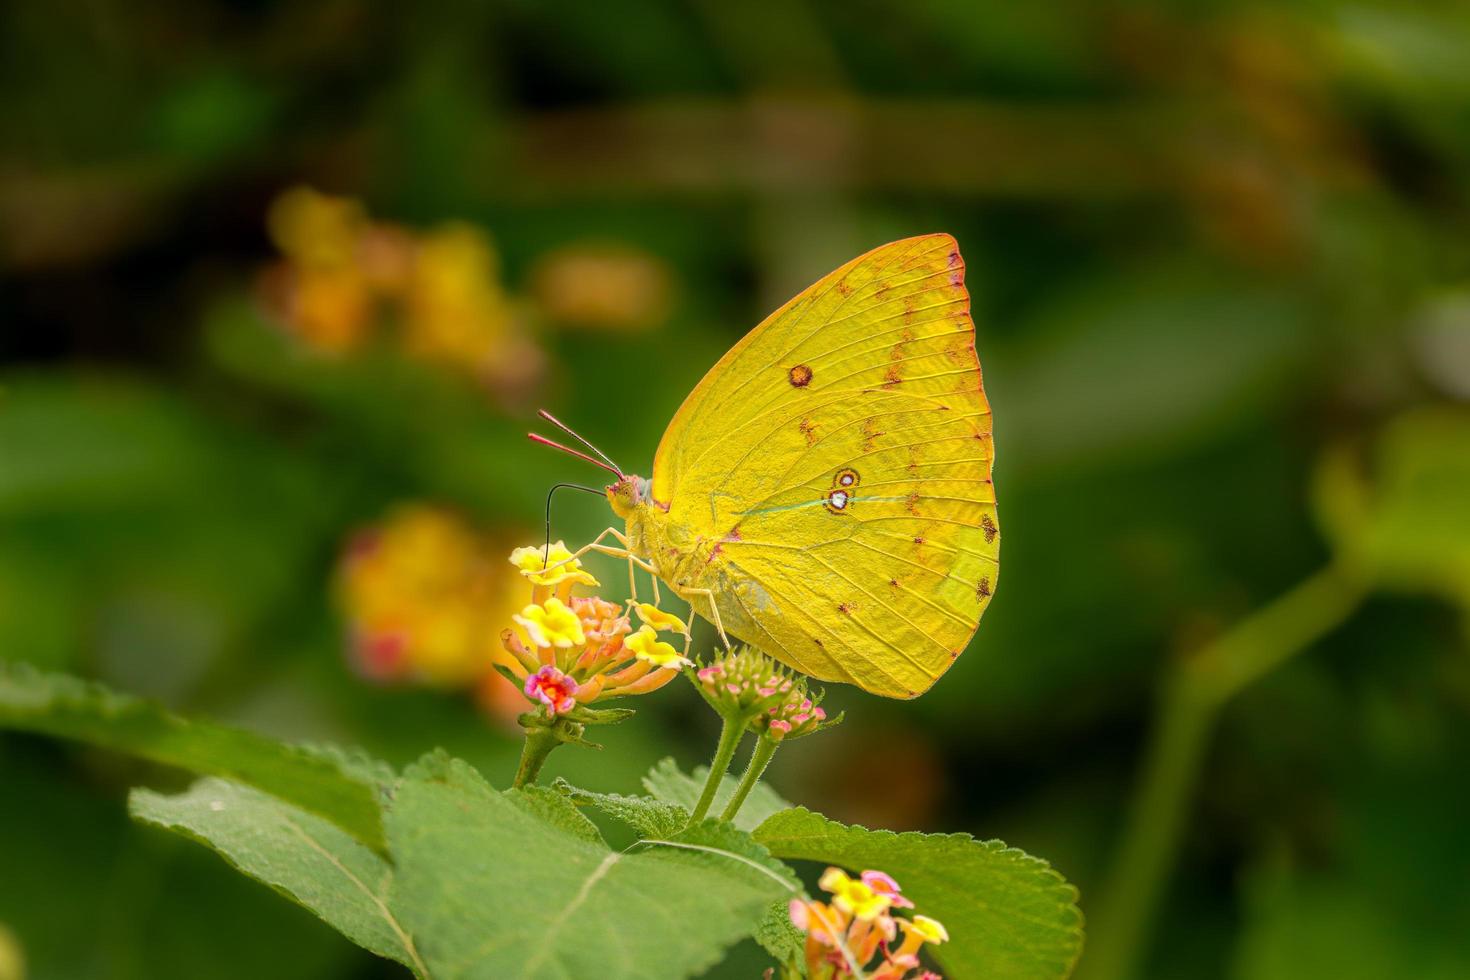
x,y
836,467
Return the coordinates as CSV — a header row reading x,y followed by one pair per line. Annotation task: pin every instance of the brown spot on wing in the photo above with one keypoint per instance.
x,y
809,430
893,377
988,526
912,504
982,590
870,434
844,608
800,376
844,288
900,350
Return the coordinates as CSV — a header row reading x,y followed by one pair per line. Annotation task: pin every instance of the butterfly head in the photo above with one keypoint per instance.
x,y
627,495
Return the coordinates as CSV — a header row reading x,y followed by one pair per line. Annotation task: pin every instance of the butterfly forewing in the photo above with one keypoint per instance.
x,y
840,456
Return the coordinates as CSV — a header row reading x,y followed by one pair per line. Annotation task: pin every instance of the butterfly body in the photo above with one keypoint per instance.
x,y
825,492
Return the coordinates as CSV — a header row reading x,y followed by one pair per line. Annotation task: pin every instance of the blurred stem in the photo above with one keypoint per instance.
x,y
765,748
730,735
1191,698
539,743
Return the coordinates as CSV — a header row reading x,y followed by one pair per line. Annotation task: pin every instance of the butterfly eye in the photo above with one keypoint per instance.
x,y
847,478
837,501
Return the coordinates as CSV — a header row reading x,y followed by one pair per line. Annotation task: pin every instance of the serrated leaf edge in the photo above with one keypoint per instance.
x,y
1036,866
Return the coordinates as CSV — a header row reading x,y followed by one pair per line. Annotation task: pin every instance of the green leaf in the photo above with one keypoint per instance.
x,y
1399,512
1009,915
649,817
554,808
666,782
328,783
778,936
307,859
489,890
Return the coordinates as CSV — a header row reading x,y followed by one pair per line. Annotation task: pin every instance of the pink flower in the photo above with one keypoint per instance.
x,y
885,885
552,688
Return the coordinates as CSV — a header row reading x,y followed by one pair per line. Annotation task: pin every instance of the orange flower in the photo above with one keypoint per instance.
x,y
845,936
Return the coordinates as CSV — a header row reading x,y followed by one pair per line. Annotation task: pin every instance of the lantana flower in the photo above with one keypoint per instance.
x,y
441,289
552,564
774,701
855,932
423,599
854,895
585,640
551,624
646,645
552,688
658,619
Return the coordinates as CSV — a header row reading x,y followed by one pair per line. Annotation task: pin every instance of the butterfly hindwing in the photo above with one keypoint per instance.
x,y
840,457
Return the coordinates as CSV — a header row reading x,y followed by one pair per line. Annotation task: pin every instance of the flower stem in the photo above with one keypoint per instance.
x,y
539,743
1190,701
730,736
765,748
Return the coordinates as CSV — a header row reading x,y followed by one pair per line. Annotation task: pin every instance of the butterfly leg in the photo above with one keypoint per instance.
x,y
714,613
622,552
596,545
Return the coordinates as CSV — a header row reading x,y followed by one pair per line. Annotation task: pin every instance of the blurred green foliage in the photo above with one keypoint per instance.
x,y
1219,252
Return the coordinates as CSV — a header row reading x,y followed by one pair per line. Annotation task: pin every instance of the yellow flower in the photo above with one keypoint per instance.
x,y
552,624
646,645
932,930
316,229
854,896
658,619
609,287
456,310
551,565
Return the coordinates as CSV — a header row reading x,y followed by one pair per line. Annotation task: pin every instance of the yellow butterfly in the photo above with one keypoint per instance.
x,y
825,493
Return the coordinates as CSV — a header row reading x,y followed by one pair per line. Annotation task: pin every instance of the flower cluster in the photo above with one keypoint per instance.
x,y
570,650
602,287
856,933
342,272
775,701
424,597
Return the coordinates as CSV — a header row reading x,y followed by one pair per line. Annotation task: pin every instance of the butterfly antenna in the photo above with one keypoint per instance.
x,y
575,435
580,455
546,548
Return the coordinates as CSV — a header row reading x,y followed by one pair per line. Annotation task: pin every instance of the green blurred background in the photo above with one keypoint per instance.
x,y
1220,259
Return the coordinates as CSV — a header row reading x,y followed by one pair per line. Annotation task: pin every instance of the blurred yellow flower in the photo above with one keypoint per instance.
x,y
456,311
610,287
425,599
340,273
931,930
315,229
319,292
854,896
